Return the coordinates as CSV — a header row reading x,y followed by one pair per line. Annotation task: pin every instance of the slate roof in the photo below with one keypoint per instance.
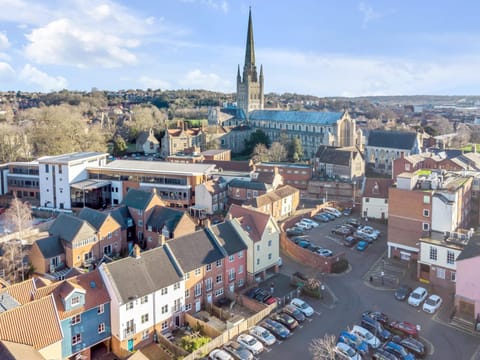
x,y
248,185
471,250
333,155
132,278
228,238
235,112
302,117
392,139
35,323
164,216
137,199
50,246
144,136
121,215
93,217
68,227
245,166
194,250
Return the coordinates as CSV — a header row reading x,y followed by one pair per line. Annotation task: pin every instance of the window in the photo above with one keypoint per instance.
x,y
231,274
258,247
270,256
240,269
450,257
164,309
208,284
258,261
164,291
240,254
453,276
197,272
187,293
165,325
440,273
240,283
231,258
188,307
176,286
76,320
187,276
130,305
219,263
426,226
140,222
219,292
107,249
144,299
426,199
433,253
367,199
46,169
177,305
140,212
101,328
101,309
76,339
198,290
218,279
145,334
75,300
208,267
269,243
426,212
144,318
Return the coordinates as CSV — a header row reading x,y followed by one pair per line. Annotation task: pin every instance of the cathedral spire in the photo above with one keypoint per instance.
x,y
250,50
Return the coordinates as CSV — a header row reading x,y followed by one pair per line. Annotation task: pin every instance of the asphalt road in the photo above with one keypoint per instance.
x,y
354,296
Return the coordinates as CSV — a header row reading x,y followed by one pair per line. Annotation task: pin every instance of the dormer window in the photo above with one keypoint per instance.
x,y
75,301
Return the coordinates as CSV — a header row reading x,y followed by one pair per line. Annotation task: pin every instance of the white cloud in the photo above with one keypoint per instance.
x,y
147,82
196,79
4,44
42,80
215,4
6,72
368,14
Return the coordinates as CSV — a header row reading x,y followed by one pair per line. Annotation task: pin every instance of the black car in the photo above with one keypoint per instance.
x,y
252,292
381,354
350,241
262,295
416,347
277,329
403,292
377,315
297,239
294,312
286,320
294,231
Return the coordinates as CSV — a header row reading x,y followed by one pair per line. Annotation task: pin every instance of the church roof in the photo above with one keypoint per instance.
x,y
392,139
301,117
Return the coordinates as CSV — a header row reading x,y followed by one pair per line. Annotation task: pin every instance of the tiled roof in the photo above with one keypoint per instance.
x,y
35,323
302,117
333,155
264,199
163,216
237,183
265,177
228,238
194,250
286,190
252,221
133,278
93,217
50,246
377,187
68,227
22,292
392,139
137,199
13,351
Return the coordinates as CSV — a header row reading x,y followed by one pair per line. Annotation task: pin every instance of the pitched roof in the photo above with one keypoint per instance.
x,y
13,351
35,323
264,199
377,187
135,277
248,185
265,177
302,117
164,216
333,155
245,166
392,139
228,238
93,217
286,190
138,199
68,227
194,250
471,250
144,136
252,221
22,292
121,215
50,246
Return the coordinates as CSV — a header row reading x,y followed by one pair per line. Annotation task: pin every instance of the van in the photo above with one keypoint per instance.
x,y
332,211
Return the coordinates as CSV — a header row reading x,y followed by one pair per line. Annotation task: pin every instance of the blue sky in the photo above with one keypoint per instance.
x,y
317,47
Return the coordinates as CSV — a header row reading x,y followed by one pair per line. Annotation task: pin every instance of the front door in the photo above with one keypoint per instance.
x,y
209,298
130,345
197,306
177,320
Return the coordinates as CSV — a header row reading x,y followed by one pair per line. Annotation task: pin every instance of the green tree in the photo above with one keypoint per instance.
x,y
119,145
295,152
257,137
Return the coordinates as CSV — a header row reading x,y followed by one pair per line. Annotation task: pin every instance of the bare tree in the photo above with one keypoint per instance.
x,y
19,217
323,348
277,152
260,153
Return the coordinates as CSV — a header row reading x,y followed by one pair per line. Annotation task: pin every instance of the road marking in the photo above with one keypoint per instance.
x,y
318,313
431,348
267,349
474,356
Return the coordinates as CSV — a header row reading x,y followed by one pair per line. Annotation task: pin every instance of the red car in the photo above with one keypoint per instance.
x,y
403,328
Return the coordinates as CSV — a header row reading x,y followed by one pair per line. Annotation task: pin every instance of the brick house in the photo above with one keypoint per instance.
x,y
211,196
47,255
243,190
279,203
335,162
296,175
217,154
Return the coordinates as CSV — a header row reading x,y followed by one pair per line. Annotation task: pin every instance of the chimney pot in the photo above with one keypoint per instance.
x,y
161,239
208,223
137,250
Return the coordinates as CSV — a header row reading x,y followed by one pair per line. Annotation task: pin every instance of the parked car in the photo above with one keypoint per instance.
x,y
237,350
330,216
252,292
347,352
432,304
375,328
297,239
347,211
311,222
252,344
354,341
321,217
377,315
364,236
398,350
403,328
366,335
304,244
263,335
285,320
350,241
416,347
219,354
277,329
417,296
341,230
354,222
362,245
314,248
370,230
294,312
301,305
294,231
303,226
324,252
403,292
333,211
381,354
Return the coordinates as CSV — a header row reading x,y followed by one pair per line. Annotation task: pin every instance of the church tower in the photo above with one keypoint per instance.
x,y
250,84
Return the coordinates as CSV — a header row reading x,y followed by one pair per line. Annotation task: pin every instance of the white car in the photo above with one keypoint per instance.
x,y
432,304
366,336
417,296
219,354
301,305
310,222
263,335
303,226
250,343
347,352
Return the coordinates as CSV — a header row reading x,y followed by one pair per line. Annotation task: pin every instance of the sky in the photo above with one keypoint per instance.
x,y
314,47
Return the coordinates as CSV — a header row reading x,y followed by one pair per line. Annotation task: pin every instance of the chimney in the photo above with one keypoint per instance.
x,y
136,251
161,239
275,170
154,190
207,223
229,217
